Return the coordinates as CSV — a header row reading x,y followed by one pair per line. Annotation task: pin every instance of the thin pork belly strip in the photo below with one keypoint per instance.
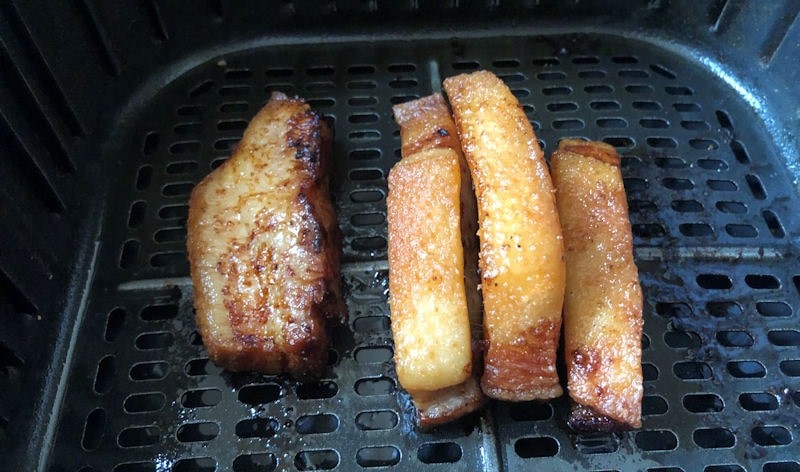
x,y
521,249
603,301
426,124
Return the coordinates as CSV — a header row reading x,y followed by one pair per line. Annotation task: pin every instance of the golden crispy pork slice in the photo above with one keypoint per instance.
x,y
426,124
603,301
521,248
264,246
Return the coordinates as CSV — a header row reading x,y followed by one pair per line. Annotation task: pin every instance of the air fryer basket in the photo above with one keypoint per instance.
x,y
714,216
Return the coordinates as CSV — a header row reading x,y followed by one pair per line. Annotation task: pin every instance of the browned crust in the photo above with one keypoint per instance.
x,y
526,369
443,406
603,302
521,257
601,151
426,123
583,419
252,259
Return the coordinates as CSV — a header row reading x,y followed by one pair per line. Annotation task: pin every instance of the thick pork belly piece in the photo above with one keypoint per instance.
x,y
426,123
264,246
521,249
430,324
603,302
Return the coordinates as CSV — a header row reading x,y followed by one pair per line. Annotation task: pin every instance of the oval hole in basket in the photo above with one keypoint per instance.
x,y
654,405
784,337
261,462
724,468
703,403
196,432
749,369
195,464
93,429
714,281
317,424
371,324
712,164
722,185
649,372
686,206
656,440
324,459
682,339
735,338
741,230
696,230
596,443
155,370
773,223
106,371
673,183
361,118
136,214
201,367
439,453
692,370
713,438
373,354
562,106
605,105
199,398
542,446
791,367
159,312
159,340
771,435
257,428
145,402
777,309
317,390
732,207
135,467
138,436
367,219
758,401
724,309
375,386
378,456
116,320
601,88
673,309
762,281
654,123
646,105
260,394
610,123
376,420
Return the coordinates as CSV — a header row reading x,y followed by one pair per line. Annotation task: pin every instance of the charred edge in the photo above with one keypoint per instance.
x,y
313,234
600,151
304,136
528,365
438,138
583,419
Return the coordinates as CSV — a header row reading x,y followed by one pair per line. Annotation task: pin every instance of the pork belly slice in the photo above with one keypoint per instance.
x,y
426,124
521,248
264,246
603,301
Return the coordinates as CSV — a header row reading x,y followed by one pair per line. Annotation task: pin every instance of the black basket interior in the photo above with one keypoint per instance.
x,y
100,364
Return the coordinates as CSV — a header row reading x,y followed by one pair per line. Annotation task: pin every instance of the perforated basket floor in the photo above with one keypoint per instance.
x,y
715,223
